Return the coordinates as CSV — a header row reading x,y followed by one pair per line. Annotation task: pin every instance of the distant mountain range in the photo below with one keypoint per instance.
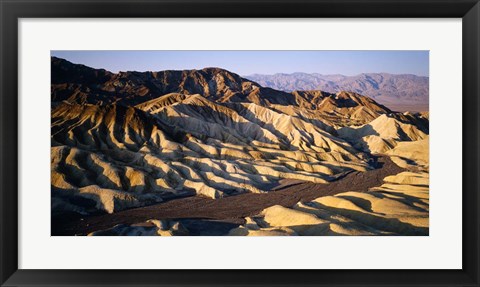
x,y
398,92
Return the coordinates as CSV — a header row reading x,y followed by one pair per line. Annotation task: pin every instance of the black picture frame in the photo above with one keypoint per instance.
x,y
11,11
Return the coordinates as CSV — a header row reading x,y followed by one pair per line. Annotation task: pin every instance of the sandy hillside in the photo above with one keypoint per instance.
x,y
207,152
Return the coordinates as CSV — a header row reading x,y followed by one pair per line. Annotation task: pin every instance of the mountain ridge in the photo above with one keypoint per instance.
x,y
81,84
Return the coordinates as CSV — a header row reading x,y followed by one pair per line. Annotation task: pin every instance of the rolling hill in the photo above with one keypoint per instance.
x,y
124,144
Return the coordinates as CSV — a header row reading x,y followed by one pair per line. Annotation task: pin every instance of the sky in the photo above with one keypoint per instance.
x,y
245,63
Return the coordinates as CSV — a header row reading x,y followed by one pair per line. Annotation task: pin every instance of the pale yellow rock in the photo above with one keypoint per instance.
x,y
400,208
417,151
409,178
281,216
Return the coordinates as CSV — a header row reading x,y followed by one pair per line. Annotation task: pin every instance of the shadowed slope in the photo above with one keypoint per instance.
x,y
237,207
81,84
118,157
382,134
223,153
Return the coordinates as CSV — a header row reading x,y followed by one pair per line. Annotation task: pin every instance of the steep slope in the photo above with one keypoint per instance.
x,y
398,207
130,88
80,84
136,139
382,134
411,154
247,123
120,157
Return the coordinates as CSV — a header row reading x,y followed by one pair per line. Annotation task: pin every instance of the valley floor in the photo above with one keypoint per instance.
x,y
292,208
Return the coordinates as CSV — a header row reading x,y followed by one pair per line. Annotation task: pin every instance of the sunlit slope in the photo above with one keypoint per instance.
x,y
381,134
122,156
398,207
248,123
81,84
130,139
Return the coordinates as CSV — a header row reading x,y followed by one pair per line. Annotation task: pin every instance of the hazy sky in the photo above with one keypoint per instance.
x,y
257,62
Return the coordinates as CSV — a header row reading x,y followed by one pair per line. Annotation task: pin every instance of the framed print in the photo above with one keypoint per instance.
x,y
235,143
